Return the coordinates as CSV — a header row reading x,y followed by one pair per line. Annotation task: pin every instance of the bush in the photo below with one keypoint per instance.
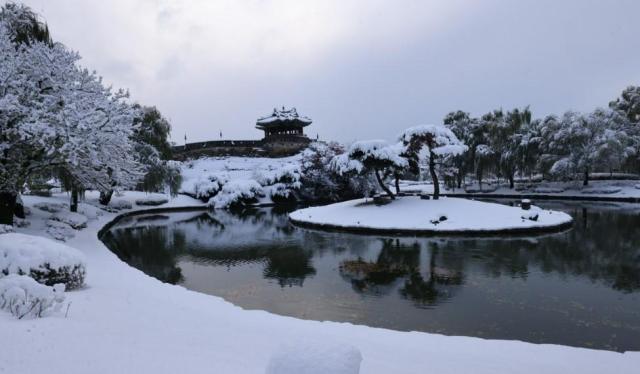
x,y
23,297
45,260
75,220
5,229
236,193
120,204
152,201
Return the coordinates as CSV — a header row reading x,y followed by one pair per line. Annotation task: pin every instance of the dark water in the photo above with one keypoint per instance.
x,y
579,288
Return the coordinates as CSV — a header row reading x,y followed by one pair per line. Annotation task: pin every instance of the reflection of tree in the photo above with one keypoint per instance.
x,y
218,238
290,265
603,246
145,248
401,261
437,286
394,261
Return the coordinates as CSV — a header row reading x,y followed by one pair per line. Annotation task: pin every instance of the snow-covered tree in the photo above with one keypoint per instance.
x,y
628,103
320,180
31,75
375,157
585,142
55,115
437,141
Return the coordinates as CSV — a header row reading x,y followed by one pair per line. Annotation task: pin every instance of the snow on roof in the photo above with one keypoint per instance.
x,y
280,116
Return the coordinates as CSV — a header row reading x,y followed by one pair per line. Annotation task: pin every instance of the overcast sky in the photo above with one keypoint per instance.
x,y
360,69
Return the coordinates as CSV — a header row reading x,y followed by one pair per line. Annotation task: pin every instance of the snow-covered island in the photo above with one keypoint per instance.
x,y
415,216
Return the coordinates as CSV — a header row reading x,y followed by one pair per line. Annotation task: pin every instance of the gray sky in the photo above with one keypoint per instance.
x,y
359,69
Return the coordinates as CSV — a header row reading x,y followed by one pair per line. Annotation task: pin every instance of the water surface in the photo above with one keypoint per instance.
x,y
580,287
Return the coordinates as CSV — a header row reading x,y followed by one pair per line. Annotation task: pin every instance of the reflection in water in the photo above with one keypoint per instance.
x,y
580,287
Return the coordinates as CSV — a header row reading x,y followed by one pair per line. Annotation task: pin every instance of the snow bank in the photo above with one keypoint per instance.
x,y
416,215
318,357
45,260
24,297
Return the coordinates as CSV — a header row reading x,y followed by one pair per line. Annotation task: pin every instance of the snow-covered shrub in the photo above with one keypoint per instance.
x,y
23,297
5,229
89,211
321,180
50,207
154,200
604,190
204,187
47,261
236,192
75,220
317,357
60,230
280,182
120,204
548,190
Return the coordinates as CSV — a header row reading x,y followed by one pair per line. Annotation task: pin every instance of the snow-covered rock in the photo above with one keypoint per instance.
x,y
47,261
75,220
315,357
23,297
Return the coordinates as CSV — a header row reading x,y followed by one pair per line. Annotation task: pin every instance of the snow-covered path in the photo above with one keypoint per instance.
x,y
127,322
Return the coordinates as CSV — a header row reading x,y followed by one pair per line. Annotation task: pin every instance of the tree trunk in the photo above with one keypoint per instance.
x,y
434,176
7,207
105,197
74,199
511,183
18,209
586,177
382,185
397,178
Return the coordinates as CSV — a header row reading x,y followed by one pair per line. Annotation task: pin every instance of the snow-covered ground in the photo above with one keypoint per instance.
x,y
410,213
604,188
124,321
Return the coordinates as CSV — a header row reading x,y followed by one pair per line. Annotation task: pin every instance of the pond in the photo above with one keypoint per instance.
x,y
580,287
